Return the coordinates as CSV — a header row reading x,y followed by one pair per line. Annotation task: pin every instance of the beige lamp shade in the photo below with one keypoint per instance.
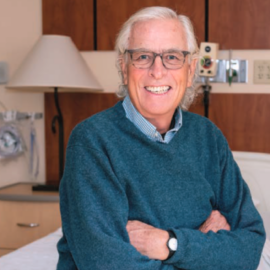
x,y
53,62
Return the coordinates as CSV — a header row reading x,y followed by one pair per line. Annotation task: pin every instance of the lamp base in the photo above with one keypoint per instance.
x,y
49,188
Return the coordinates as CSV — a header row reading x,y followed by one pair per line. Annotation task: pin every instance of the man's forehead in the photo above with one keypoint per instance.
x,y
152,23
158,35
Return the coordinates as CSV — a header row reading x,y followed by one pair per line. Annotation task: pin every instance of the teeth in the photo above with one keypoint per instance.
x,y
157,89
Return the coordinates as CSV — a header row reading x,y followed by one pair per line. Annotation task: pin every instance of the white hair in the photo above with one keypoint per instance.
x,y
150,13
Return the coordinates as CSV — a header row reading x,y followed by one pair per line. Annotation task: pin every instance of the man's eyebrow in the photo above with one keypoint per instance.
x,y
141,50
173,50
149,50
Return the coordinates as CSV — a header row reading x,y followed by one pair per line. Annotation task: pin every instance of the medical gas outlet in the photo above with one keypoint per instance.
x,y
208,56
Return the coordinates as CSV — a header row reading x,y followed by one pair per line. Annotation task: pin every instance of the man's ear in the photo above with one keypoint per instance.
x,y
124,70
191,71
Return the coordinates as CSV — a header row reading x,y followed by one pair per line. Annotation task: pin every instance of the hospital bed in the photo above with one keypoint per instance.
x,y
255,167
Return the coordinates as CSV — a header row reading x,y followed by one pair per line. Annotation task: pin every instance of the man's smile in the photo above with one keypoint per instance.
x,y
158,89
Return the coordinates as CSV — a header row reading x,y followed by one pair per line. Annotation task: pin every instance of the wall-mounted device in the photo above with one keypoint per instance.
x,y
3,72
239,67
208,56
207,68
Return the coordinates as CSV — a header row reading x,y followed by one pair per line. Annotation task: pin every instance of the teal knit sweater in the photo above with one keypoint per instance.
x,y
114,173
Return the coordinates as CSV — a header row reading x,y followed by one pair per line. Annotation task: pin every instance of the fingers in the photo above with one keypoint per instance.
x,y
148,240
133,225
215,222
227,227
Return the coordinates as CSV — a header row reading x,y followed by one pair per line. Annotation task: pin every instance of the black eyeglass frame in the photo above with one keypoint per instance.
x,y
185,53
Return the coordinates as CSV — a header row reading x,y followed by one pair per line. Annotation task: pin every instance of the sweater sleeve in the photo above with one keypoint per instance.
x,y
241,247
94,210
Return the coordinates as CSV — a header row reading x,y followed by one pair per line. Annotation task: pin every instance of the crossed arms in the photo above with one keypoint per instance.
x,y
152,242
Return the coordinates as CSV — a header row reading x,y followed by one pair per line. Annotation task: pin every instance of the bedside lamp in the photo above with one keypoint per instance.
x,y
54,64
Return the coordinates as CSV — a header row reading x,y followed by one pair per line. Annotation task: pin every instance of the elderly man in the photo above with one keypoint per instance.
x,y
148,185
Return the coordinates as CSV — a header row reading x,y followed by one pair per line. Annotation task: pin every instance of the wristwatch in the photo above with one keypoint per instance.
x,y
171,244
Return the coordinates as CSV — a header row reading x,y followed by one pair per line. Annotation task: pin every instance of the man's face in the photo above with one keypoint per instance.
x,y
157,36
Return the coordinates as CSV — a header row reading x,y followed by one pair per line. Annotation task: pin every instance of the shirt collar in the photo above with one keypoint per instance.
x,y
146,127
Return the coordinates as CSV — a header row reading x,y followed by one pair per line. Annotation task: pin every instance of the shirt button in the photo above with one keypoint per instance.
x,y
156,134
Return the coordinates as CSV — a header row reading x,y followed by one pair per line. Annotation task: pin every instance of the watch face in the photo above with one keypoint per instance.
x,y
173,244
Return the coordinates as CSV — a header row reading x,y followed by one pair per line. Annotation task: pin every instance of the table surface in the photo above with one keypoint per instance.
x,y
24,192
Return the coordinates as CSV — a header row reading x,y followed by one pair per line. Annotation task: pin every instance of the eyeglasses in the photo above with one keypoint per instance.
x,y
145,59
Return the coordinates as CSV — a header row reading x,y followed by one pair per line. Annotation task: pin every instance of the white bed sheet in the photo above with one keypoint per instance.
x,y
42,254
39,255
265,259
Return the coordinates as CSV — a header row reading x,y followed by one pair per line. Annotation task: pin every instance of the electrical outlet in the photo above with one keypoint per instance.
x,y
261,72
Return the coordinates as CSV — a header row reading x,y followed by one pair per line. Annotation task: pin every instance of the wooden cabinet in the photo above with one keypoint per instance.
x,y
233,24
26,216
70,18
242,118
98,21
112,14
239,25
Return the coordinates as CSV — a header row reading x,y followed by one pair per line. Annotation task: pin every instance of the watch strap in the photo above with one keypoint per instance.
x,y
171,235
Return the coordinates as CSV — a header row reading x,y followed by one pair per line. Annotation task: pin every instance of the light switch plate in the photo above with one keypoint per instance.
x,y
261,72
3,73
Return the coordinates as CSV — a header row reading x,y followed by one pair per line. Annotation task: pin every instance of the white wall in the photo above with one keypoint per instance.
x,y
20,28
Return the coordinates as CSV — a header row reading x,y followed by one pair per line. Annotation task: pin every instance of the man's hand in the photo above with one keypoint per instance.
x,y
148,240
215,222
152,242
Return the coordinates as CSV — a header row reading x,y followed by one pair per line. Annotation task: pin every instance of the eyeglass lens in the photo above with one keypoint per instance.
x,y
171,60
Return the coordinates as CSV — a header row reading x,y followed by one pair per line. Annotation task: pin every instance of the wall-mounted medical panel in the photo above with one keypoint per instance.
x,y
237,68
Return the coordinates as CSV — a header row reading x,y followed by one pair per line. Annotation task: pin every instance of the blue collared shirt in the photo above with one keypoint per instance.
x,y
146,127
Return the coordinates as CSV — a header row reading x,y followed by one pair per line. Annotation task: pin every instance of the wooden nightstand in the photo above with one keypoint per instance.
x,y
26,215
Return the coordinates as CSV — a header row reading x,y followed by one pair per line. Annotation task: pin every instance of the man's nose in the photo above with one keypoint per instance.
x,y
157,70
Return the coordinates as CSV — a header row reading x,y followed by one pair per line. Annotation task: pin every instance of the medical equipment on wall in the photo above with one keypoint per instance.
x,y
228,70
208,56
3,72
207,68
12,142
213,70
33,150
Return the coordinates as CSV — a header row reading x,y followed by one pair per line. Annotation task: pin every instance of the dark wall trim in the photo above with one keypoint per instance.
x,y
206,19
95,23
